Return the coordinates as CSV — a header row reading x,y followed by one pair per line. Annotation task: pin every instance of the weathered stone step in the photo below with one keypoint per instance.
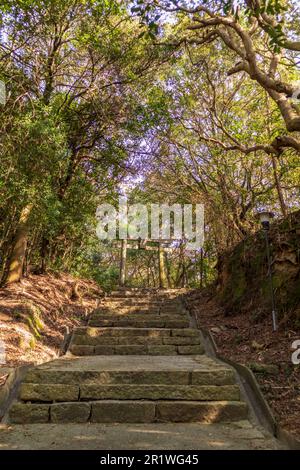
x,y
159,392
134,310
172,311
129,294
136,316
98,370
143,301
90,341
86,392
135,349
151,332
85,339
123,294
116,302
139,323
128,411
132,301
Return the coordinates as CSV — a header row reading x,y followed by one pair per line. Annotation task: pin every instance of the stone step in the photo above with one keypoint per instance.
x,y
134,341
134,310
167,298
134,301
123,294
115,302
139,323
69,393
135,349
85,339
172,311
97,370
36,392
128,303
124,332
128,411
142,295
160,392
125,311
140,316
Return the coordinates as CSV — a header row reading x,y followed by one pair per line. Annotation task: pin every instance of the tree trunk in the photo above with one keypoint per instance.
x,y
163,281
201,268
16,260
183,278
278,187
123,263
168,271
274,165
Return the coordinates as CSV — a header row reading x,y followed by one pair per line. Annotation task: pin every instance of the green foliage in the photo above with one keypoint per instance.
x,y
73,93
94,260
101,92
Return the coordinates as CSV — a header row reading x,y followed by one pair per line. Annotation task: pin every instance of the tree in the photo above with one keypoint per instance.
x,y
245,34
75,71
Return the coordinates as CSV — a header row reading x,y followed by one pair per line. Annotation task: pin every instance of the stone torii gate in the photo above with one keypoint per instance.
x,y
138,244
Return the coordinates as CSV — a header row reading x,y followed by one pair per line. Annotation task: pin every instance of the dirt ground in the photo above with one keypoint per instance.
x,y
240,435
255,344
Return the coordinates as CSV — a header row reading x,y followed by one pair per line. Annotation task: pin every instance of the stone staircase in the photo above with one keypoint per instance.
x,y
138,360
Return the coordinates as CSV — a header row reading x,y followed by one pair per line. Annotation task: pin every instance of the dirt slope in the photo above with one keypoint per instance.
x,y
242,339
35,313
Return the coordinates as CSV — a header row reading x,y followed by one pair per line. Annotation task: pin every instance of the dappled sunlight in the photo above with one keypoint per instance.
x,y
152,431
217,444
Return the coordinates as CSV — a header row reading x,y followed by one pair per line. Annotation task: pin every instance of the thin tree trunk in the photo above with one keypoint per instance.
x,y
163,280
168,270
182,266
17,257
123,263
183,279
274,165
278,187
148,272
201,268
